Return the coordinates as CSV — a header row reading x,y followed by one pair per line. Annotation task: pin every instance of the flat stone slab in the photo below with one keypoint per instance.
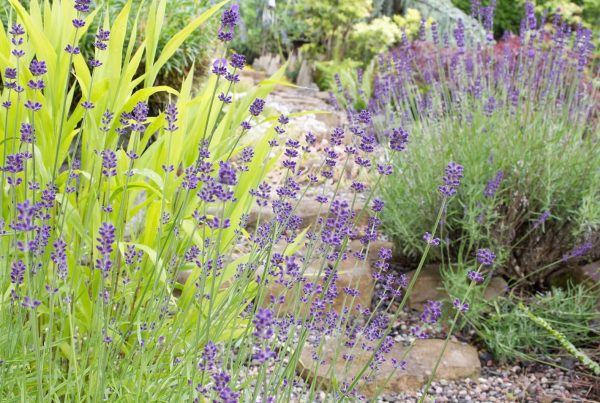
x,y
459,361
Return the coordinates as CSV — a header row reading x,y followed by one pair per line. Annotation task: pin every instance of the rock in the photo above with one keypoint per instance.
x,y
268,63
588,274
306,74
495,288
323,96
333,119
430,286
252,76
374,248
459,361
352,273
309,210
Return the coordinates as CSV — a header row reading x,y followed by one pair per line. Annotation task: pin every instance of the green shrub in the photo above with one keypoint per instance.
x,y
368,39
269,30
530,159
510,334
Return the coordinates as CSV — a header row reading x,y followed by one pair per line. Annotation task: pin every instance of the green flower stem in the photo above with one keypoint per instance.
x,y
447,340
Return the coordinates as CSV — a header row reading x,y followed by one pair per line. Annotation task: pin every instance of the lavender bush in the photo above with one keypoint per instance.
x,y
521,116
104,207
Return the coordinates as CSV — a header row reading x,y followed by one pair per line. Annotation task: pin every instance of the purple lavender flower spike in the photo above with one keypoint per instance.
x,y
220,67
27,133
229,20
171,117
109,163
492,186
459,35
433,241
10,73
263,322
432,311
542,219
17,30
83,6
59,258
74,50
257,107
17,272
486,257
578,251
38,67
30,303
105,247
398,139
78,23
238,61
227,173
475,276
378,205
463,307
451,179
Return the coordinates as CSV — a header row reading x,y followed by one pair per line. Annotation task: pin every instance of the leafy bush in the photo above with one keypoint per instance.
x,y
510,334
268,29
526,133
369,39
330,22
411,22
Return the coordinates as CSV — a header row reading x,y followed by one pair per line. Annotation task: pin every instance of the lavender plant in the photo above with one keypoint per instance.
x,y
104,206
522,120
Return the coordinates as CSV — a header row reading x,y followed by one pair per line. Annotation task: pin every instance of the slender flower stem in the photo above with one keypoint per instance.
x,y
447,340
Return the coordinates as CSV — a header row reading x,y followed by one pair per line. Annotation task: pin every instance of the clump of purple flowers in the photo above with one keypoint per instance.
x,y
486,257
451,180
229,20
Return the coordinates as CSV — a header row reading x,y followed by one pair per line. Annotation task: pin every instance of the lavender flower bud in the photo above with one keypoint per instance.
x,y
238,61
451,179
475,276
257,107
38,67
486,257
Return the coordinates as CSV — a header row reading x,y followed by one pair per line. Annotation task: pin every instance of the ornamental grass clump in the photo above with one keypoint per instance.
x,y
108,212
521,116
